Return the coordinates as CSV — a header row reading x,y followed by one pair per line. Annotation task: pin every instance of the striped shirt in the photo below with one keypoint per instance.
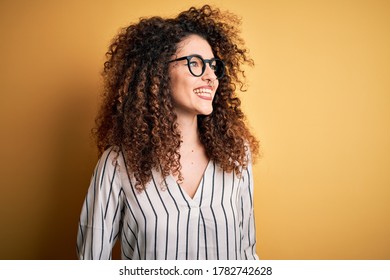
x,y
165,222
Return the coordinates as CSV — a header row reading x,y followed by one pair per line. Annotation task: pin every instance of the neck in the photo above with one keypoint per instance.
x,y
188,127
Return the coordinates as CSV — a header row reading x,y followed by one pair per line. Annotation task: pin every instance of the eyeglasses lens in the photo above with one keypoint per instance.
x,y
218,67
197,66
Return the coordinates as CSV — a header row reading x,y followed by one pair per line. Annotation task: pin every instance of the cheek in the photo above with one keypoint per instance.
x,y
177,90
174,84
183,86
182,83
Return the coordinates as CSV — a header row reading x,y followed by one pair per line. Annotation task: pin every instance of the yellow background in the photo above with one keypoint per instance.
x,y
318,100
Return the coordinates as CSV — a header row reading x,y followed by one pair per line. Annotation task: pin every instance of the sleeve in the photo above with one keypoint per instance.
x,y
248,236
100,219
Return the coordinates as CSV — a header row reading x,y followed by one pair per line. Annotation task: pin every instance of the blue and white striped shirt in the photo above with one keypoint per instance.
x,y
165,222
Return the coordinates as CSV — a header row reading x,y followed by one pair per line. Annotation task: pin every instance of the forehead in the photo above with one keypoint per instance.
x,y
194,44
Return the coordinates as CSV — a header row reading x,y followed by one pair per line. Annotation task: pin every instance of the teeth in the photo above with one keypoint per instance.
x,y
203,91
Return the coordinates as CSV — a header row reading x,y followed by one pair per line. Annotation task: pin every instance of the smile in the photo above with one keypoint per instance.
x,y
203,93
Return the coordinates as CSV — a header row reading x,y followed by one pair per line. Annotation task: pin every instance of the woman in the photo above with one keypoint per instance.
x,y
174,179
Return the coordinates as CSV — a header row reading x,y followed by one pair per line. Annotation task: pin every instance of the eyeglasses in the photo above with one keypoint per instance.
x,y
197,65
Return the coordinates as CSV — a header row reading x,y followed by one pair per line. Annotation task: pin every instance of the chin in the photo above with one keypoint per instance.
x,y
206,112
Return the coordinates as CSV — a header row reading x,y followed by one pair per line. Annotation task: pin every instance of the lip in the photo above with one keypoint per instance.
x,y
205,97
207,87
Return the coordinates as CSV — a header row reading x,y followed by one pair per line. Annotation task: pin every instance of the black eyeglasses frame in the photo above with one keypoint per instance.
x,y
205,62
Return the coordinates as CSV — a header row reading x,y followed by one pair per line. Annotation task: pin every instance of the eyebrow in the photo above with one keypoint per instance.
x,y
196,54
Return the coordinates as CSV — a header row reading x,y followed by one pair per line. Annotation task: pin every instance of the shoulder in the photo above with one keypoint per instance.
x,y
110,160
112,153
107,174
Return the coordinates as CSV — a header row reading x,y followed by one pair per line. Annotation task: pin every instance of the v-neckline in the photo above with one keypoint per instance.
x,y
193,199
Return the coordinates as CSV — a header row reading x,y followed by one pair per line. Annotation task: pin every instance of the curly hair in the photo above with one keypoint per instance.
x,y
137,113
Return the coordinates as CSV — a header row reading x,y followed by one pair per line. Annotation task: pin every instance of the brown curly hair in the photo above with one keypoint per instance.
x,y
137,113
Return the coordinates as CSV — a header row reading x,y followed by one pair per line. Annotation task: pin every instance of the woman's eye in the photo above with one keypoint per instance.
x,y
194,64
